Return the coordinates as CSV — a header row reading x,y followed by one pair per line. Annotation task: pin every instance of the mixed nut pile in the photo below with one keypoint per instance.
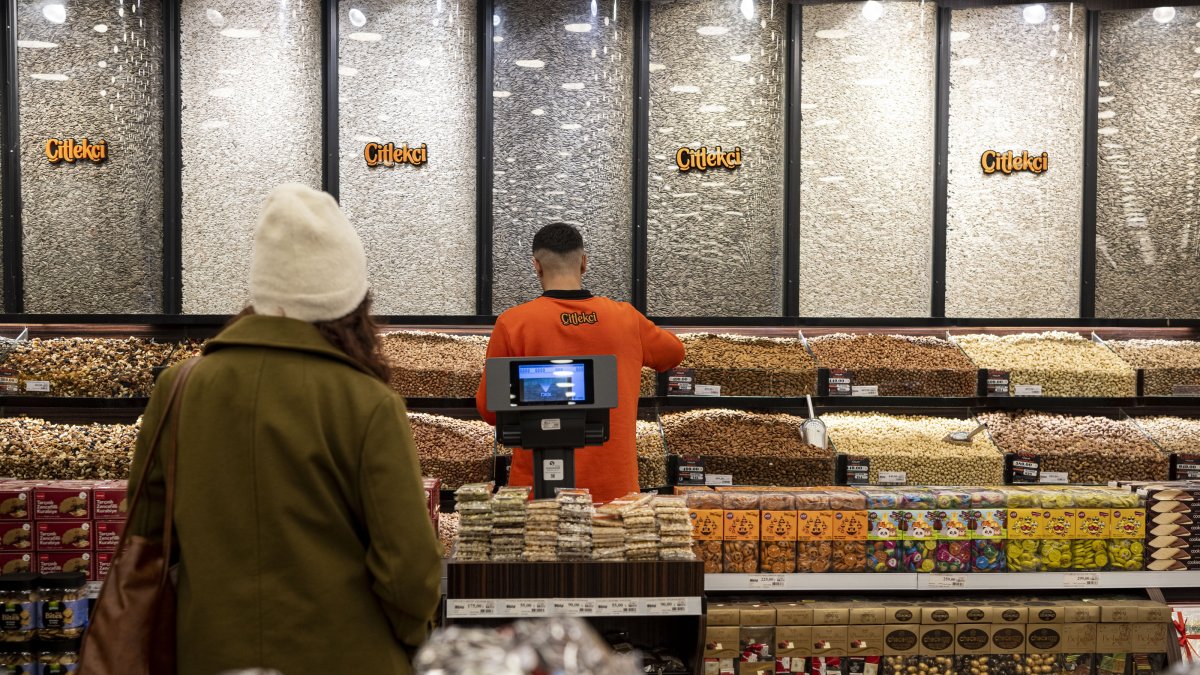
x,y
37,449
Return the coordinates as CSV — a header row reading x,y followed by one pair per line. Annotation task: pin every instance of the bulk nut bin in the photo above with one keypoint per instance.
x,y
1088,449
18,607
916,447
457,451
39,450
62,605
754,448
651,455
434,365
1172,434
93,367
900,365
1170,367
751,366
1062,364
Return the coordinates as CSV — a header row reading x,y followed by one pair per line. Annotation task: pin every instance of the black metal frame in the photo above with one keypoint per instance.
x,y
13,307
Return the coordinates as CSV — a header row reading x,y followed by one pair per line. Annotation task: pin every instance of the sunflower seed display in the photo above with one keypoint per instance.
x,y
1173,434
456,451
750,366
1171,366
1061,364
434,365
900,365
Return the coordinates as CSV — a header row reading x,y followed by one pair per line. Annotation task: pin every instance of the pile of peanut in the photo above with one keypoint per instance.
x,y
1064,364
755,448
1089,449
916,446
751,366
1167,363
456,451
901,365
434,365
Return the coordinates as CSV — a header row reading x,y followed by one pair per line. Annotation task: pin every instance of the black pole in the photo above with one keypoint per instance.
x,y
14,277
172,163
484,176
641,150
329,113
1091,123
791,219
941,173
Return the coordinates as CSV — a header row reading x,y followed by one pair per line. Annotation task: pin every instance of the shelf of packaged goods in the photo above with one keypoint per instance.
x,y
968,582
511,608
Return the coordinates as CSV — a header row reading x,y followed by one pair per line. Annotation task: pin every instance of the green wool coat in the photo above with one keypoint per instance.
x,y
304,540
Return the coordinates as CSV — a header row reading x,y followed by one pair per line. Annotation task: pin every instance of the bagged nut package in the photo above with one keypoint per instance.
x,y
674,528
608,534
473,503
751,366
641,527
778,532
508,523
707,513
741,532
900,365
541,530
574,524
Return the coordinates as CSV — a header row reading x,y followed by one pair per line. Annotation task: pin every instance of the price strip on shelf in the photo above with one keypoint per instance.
x,y
1081,580
1054,477
865,390
9,382
615,606
40,386
708,390
1024,468
1027,390
681,381
766,582
997,382
467,609
893,477
718,479
664,606
1185,466
571,607
840,382
947,581
858,470
517,608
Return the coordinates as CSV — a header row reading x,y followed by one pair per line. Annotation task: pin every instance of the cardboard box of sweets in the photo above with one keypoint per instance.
x,y
63,500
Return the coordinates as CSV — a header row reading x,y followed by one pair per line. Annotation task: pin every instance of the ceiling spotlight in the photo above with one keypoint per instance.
x,y
748,9
1035,13
55,13
872,10
357,18
1164,14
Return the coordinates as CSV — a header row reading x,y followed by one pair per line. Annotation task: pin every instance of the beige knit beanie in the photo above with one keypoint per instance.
x,y
308,260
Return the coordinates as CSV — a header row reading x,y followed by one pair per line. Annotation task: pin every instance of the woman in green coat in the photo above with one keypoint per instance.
x,y
305,544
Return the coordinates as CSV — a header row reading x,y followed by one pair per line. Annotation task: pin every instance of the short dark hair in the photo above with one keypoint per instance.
x,y
558,238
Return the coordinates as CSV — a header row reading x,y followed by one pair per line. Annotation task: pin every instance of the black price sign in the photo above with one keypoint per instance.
x,y
841,382
688,470
681,382
1185,466
1023,468
997,382
858,470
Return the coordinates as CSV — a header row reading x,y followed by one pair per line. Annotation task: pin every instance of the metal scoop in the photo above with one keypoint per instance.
x,y
963,437
814,429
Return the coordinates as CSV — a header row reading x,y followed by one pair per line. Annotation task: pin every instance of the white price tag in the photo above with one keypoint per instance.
x,y
766,582
510,608
947,581
470,608
93,589
1081,580
718,479
553,469
865,390
570,607
1056,477
893,477
1027,390
552,424
37,385
708,390
664,606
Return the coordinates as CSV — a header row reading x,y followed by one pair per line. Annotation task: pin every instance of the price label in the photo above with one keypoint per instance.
x,y
1186,466
93,589
766,582
708,390
681,381
664,606
718,479
858,470
1027,390
893,477
38,386
997,382
947,581
865,390
470,608
522,608
1185,390
840,382
1024,468
1055,477
1081,580
570,607
553,469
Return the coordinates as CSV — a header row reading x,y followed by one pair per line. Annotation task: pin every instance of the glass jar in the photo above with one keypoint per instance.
x,y
62,606
18,607
60,656
16,658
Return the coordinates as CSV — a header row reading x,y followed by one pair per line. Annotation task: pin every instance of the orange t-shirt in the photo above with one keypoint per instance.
x,y
576,323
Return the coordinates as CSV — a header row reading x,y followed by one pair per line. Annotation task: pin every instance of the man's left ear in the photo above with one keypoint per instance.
x,y
583,265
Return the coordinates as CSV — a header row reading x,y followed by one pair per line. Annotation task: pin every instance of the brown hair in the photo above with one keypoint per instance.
x,y
356,334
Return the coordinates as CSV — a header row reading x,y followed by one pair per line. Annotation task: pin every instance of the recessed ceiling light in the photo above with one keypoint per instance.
x,y
357,18
657,67
102,64
872,10
55,13
685,89
578,27
100,28
573,86
1164,14
214,17
36,44
537,112
1034,13
710,31
747,8
50,77
529,63
497,38
365,37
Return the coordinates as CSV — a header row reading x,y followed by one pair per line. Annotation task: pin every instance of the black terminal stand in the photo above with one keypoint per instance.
x,y
553,437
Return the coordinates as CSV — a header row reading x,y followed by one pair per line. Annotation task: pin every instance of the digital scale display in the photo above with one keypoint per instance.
x,y
552,383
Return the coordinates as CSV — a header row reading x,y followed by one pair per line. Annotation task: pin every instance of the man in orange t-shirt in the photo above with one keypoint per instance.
x,y
569,321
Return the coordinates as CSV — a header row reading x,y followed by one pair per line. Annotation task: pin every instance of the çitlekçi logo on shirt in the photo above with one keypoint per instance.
x,y
578,318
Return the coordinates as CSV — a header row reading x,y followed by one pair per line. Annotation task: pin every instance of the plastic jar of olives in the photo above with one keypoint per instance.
x,y
18,607
16,658
62,606
61,656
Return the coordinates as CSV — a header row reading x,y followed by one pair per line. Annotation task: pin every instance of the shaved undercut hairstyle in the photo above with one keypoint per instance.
x,y
558,246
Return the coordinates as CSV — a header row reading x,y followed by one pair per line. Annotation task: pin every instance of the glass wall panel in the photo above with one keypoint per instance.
x,y
563,139
866,192
251,79
417,222
92,229
717,78
1016,84
1147,219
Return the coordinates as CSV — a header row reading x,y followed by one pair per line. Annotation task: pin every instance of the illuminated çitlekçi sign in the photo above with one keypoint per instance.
x,y
379,154
703,159
70,151
1007,163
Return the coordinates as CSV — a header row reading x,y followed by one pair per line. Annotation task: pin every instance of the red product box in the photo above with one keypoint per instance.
x,y
52,563
16,563
62,502
16,536
108,534
111,501
15,502
65,535
104,563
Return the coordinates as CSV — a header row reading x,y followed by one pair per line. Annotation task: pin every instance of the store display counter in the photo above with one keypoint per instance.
x,y
898,582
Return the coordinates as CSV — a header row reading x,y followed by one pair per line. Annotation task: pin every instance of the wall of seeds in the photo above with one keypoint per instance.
x,y
717,79
251,79
417,222
1013,240
563,139
93,226
1147,216
866,198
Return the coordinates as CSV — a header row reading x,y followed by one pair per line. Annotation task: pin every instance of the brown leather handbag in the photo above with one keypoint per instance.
x,y
132,631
